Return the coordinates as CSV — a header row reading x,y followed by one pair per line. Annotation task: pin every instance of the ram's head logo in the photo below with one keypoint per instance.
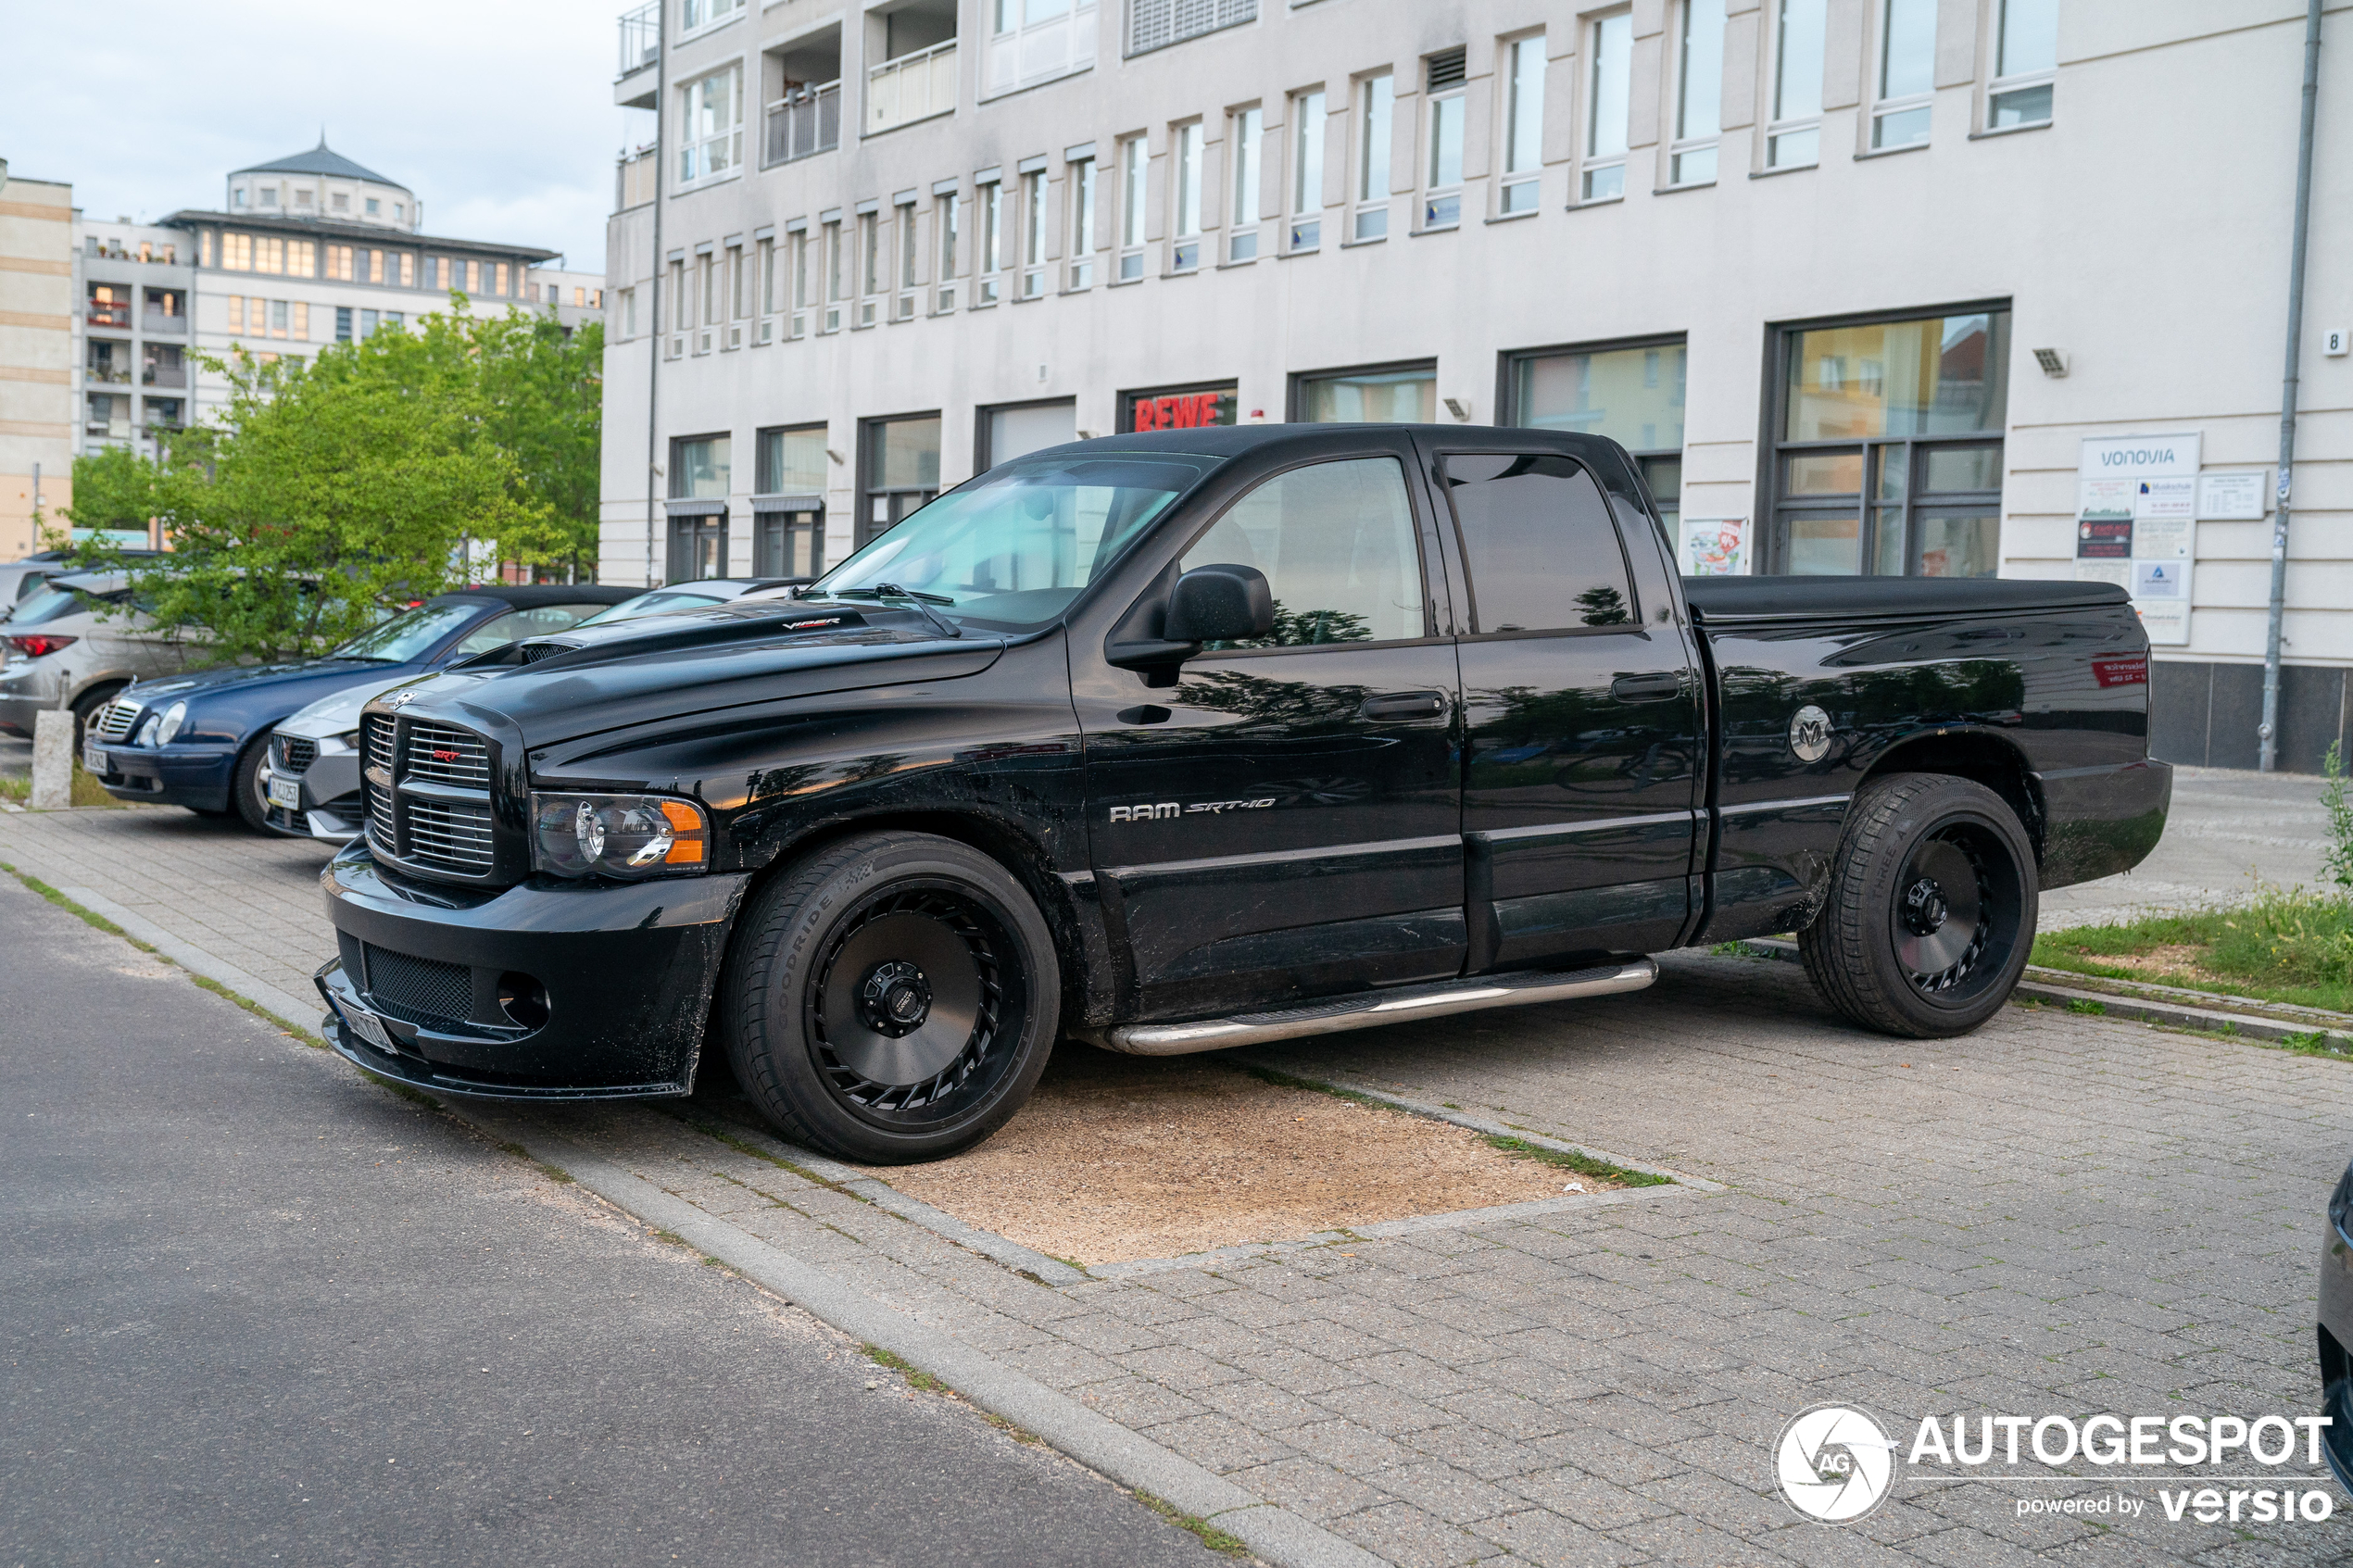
x,y
1809,734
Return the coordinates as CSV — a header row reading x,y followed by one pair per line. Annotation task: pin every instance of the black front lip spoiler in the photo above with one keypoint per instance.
x,y
337,989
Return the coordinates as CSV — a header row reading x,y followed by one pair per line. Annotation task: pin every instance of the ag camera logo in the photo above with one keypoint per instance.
x,y
1834,1463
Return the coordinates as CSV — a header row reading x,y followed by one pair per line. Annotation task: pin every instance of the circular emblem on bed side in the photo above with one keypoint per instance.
x,y
1809,734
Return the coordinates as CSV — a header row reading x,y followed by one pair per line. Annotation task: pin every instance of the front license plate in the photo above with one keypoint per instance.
x,y
368,1027
93,759
286,792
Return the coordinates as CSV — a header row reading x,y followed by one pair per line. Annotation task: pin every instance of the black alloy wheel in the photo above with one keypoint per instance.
x,y
1931,910
892,998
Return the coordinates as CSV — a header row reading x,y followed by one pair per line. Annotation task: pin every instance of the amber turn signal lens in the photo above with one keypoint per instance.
x,y
686,849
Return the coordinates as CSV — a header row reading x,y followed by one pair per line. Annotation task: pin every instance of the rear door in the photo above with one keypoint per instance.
x,y
1584,713
1285,820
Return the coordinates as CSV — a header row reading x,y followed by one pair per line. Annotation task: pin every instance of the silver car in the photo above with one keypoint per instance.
x,y
74,641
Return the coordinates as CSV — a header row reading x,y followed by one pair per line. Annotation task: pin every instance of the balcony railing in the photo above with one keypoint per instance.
x,y
166,375
912,87
108,375
633,177
640,37
104,314
803,122
163,322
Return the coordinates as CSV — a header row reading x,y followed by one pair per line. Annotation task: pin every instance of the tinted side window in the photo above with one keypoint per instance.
x,y
1335,542
1536,534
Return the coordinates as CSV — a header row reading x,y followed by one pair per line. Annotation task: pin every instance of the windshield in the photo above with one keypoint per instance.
x,y
1015,546
53,603
406,636
659,603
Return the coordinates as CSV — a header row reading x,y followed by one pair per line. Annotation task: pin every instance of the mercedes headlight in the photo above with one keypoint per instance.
x,y
624,835
174,718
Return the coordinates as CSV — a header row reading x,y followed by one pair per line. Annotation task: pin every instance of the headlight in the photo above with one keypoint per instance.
x,y
173,717
348,741
623,835
147,728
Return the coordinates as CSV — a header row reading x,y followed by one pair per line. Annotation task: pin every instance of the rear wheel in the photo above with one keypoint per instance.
x,y
85,711
891,999
1932,908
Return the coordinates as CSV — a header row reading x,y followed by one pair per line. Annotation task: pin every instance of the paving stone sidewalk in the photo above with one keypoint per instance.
x,y
2059,1215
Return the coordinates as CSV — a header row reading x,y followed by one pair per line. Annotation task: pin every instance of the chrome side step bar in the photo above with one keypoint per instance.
x,y
1367,1009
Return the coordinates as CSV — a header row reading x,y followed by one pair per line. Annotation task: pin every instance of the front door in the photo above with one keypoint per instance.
x,y
1285,820
1585,722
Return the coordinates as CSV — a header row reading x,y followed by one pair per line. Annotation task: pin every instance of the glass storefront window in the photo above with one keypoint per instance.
x,y
1403,397
791,462
1890,458
1635,396
902,469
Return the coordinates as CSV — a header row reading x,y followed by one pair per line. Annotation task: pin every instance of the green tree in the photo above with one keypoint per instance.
x,y
545,392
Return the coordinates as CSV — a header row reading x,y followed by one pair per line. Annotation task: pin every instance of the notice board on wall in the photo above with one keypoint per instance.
x,y
2135,521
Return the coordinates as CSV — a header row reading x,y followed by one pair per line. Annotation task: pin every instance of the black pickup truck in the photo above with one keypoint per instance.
x,y
1194,739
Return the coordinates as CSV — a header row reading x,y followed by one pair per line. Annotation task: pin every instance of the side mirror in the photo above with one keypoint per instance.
x,y
1220,604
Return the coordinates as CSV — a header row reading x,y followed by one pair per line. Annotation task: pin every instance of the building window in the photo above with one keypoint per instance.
x,y
837,278
1699,94
375,207
788,535
1887,445
1523,125
237,253
237,198
1907,73
302,258
1184,196
899,471
870,266
1443,168
1135,164
740,283
339,262
699,484
407,269
1631,392
269,254
1022,428
375,267
700,468
1156,24
1081,180
1378,394
1033,234
2025,65
343,323
1036,41
269,195
628,313
695,15
1609,87
991,260
909,258
1374,101
945,217
1177,407
280,313
1245,133
715,127
1307,130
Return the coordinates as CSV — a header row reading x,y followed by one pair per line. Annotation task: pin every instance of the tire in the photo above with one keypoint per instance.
x,y
86,706
245,797
1931,908
891,999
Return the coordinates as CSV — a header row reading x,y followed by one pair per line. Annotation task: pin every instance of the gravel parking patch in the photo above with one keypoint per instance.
x,y
1120,1158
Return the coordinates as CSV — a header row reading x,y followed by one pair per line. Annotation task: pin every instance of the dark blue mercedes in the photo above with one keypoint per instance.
x,y
201,741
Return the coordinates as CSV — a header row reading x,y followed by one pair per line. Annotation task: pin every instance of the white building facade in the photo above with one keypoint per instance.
x,y
1878,286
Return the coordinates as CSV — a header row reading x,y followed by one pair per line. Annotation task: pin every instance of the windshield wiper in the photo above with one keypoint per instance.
x,y
923,603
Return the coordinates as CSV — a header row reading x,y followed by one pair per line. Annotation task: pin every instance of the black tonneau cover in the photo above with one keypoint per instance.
x,y
1718,599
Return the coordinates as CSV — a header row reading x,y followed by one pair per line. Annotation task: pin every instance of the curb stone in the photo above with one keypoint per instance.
x,y
194,960
1283,1538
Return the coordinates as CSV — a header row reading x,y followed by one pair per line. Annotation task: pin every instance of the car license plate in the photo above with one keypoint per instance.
x,y
368,1027
285,792
93,759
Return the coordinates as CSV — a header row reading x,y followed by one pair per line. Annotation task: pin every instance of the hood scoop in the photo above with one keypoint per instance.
x,y
713,628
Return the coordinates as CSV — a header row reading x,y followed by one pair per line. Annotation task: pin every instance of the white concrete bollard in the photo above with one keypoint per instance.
x,y
52,760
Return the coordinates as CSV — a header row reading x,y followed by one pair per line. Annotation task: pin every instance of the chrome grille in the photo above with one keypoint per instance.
x,y
449,836
447,754
115,719
375,752
293,754
424,987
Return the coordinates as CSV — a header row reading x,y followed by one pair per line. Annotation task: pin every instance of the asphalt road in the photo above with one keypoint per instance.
x,y
253,1309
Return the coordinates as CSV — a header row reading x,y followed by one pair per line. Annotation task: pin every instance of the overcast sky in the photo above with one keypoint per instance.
x,y
496,113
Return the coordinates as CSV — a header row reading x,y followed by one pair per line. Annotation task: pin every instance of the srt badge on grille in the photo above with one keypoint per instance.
x,y
441,755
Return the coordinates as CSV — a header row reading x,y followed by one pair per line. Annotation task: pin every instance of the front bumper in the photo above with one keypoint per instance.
x,y
627,971
330,806
195,776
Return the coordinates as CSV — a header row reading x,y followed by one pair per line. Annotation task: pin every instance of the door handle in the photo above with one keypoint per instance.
x,y
1655,686
1403,705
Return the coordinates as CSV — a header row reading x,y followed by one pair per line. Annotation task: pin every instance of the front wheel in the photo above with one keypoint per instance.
x,y
249,786
891,999
1932,908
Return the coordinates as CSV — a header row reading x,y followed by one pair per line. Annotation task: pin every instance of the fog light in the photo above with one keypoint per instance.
x,y
523,999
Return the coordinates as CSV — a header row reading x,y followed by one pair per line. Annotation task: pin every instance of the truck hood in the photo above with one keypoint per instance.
x,y
595,680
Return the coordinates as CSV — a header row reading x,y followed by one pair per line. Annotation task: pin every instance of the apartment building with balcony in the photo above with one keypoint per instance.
x,y
133,342
1893,287
36,356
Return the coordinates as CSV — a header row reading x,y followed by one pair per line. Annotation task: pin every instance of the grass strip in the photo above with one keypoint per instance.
x,y
1210,1536
1569,1160
916,1377
2285,946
